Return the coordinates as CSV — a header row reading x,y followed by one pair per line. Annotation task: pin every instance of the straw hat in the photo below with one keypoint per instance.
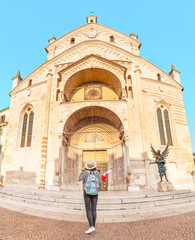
x,y
90,164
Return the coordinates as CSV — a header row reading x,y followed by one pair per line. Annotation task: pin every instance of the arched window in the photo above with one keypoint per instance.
x,y
111,38
30,83
58,95
129,80
27,127
159,77
2,119
72,41
164,126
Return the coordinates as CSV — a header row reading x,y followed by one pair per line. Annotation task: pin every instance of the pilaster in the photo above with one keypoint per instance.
x,y
43,161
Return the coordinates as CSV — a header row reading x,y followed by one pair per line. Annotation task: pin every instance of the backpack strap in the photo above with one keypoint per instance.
x,y
95,172
89,178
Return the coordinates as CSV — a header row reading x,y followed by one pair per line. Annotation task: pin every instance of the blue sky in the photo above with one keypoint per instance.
x,y
165,28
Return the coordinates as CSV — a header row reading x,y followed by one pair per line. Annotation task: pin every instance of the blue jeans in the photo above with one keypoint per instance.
x,y
90,206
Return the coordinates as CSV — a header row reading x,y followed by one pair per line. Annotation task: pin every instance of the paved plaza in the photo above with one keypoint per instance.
x,y
19,226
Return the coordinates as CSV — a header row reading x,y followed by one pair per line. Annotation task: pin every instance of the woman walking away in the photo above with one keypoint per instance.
x,y
91,182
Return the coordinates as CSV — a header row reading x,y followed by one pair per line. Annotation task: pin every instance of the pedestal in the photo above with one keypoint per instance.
x,y
165,186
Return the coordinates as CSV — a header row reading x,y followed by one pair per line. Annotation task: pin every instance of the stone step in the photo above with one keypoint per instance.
x,y
104,202
79,195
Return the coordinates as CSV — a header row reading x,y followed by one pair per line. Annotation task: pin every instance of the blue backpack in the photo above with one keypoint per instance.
x,y
92,183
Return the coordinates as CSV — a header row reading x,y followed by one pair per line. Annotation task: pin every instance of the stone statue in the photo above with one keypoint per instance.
x,y
160,160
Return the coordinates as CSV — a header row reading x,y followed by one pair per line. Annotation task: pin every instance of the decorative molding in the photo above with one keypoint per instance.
x,y
91,48
94,138
92,33
93,62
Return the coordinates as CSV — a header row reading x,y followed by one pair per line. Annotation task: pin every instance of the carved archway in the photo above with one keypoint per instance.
x,y
92,69
92,129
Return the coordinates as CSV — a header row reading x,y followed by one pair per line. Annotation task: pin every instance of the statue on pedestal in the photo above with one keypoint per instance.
x,y
160,161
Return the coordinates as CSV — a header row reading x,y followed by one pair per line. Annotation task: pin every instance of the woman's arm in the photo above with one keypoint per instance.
x,y
83,175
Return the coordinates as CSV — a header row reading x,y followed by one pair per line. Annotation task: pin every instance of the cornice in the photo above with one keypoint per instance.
x,y
93,56
167,75
95,43
4,110
14,91
160,82
91,25
39,68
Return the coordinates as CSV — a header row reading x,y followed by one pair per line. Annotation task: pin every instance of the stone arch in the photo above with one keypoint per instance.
x,y
92,111
92,76
89,69
163,102
93,130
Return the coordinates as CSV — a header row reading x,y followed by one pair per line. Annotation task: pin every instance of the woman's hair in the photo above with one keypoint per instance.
x,y
93,169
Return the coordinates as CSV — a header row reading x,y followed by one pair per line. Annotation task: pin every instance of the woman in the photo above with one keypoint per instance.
x,y
90,200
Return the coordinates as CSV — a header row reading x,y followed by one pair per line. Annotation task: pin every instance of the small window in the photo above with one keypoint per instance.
x,y
58,82
30,82
72,41
111,38
130,92
58,95
2,119
129,79
91,21
159,77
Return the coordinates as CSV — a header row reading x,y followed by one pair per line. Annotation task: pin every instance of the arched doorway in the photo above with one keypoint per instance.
x,y
93,132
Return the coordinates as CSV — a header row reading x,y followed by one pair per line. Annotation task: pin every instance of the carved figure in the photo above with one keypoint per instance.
x,y
160,161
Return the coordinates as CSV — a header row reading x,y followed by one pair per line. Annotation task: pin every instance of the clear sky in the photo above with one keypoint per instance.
x,y
165,28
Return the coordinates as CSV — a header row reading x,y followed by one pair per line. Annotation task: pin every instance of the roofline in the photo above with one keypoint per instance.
x,y
29,75
93,41
161,70
4,109
94,25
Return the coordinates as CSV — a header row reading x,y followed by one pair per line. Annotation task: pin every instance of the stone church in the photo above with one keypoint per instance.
x,y
95,98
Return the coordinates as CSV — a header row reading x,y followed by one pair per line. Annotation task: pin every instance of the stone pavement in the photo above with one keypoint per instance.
x,y
19,226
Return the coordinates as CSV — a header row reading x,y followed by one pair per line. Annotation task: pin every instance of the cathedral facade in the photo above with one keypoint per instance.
x,y
95,98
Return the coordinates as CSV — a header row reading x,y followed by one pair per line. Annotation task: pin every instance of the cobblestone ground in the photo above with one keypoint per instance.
x,y
18,226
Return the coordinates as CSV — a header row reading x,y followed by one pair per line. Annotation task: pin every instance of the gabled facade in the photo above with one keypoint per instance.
x,y
96,98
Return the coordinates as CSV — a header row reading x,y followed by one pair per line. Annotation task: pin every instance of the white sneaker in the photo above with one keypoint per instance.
x,y
90,230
